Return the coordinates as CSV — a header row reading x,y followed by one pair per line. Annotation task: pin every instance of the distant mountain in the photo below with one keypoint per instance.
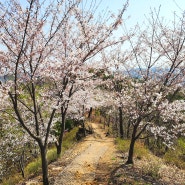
x,y
5,78
137,73
2,79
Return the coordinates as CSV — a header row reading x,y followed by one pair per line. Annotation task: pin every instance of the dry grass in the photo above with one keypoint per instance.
x,y
148,168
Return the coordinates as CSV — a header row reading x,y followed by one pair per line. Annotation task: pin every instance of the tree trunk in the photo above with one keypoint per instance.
x,y
21,163
60,139
121,123
83,126
108,123
83,122
132,144
90,113
128,129
147,141
43,151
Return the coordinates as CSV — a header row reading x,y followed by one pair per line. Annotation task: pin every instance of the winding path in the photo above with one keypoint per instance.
x,y
90,161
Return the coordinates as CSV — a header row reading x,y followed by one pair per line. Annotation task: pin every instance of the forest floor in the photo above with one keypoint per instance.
x,y
96,161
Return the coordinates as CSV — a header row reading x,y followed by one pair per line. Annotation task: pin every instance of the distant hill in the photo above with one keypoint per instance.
x,y
137,73
5,78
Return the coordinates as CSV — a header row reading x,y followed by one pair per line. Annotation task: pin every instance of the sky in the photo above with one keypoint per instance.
x,y
138,9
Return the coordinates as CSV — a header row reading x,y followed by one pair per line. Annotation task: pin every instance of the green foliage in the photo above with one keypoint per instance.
x,y
97,112
52,155
181,145
176,96
33,168
156,146
70,138
122,144
176,156
56,129
69,124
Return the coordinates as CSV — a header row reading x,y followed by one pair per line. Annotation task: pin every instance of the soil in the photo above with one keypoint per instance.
x,y
90,161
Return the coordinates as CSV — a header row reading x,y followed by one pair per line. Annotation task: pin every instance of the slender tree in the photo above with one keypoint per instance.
x,y
157,52
81,38
28,36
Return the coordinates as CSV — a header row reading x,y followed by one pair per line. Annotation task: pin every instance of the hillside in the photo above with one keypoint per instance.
x,y
96,160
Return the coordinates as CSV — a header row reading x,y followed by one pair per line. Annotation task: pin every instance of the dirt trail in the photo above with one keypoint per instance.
x,y
95,161
90,161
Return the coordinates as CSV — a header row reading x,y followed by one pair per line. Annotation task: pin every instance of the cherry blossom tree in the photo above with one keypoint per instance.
x,y
158,55
16,148
117,79
147,75
44,48
28,35
81,39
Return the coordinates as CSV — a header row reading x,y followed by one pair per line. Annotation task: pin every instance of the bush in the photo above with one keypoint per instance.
x,y
69,124
181,145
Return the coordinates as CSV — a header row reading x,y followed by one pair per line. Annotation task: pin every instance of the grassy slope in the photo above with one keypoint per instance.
x,y
148,169
34,167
